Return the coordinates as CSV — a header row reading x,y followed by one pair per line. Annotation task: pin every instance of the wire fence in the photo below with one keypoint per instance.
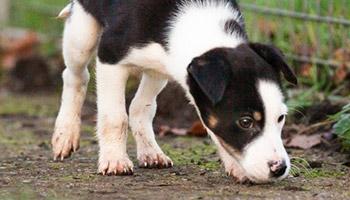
x,y
308,31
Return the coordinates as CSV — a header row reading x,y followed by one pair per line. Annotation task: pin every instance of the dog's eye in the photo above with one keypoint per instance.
x,y
246,122
281,118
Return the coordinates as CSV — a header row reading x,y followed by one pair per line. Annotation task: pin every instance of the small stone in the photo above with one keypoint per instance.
x,y
26,181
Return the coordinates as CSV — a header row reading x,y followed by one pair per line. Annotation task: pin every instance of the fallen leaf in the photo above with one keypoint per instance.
x,y
17,45
306,70
268,28
340,74
166,130
304,141
342,55
198,130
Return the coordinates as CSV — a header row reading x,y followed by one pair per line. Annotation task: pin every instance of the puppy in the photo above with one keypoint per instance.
x,y
202,45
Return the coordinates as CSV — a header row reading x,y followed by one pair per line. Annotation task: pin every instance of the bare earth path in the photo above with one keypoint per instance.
x,y
28,172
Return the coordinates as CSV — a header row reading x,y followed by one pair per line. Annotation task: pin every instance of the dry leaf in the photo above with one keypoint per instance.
x,y
304,141
198,130
18,46
166,130
268,28
340,74
306,70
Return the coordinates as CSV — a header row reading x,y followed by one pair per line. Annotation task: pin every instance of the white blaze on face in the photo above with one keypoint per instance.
x,y
269,146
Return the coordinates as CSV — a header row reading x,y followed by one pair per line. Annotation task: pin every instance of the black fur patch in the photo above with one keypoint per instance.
x,y
241,97
132,23
213,86
232,26
129,23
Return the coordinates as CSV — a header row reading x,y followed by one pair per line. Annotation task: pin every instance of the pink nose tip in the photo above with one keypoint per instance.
x,y
277,168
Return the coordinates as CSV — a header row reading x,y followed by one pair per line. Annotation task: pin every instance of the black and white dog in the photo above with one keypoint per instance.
x,y
202,45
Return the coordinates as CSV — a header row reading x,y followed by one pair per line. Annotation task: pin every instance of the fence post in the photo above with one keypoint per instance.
x,y
4,11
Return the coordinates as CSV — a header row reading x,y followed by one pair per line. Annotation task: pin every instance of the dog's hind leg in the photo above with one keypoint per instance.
x,y
80,38
142,111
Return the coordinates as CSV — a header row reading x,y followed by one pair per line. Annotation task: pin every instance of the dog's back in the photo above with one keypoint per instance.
x,y
143,19
106,11
136,23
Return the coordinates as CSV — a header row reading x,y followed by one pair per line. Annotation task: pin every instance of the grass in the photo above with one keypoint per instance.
x,y
301,167
342,126
291,33
198,154
32,106
39,16
302,37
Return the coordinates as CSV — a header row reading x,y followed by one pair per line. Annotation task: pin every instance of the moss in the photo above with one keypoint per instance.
x,y
200,154
55,166
33,106
78,177
16,140
301,167
324,173
68,178
22,192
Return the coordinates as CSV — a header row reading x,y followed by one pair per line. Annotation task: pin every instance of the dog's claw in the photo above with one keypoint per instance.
x,y
237,175
115,166
65,140
157,160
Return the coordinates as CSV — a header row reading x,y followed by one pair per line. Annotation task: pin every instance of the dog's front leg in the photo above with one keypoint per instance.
x,y
112,125
142,111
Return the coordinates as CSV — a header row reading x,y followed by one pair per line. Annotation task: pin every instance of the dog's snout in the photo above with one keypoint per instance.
x,y
277,168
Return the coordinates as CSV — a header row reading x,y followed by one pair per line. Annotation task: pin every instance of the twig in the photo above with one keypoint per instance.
x,y
313,128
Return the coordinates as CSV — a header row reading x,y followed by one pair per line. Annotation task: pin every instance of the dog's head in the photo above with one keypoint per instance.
x,y
238,93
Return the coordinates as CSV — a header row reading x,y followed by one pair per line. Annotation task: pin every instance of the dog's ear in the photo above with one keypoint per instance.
x,y
274,57
211,73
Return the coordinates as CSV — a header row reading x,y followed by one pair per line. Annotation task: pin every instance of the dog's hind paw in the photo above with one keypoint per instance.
x,y
65,141
154,160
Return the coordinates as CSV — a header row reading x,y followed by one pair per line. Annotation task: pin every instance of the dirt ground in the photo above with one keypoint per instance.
x,y
27,170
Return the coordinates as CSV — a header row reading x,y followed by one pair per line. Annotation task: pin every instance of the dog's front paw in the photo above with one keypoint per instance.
x,y
65,140
110,164
154,159
237,173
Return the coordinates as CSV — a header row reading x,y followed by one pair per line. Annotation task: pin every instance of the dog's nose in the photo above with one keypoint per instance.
x,y
277,168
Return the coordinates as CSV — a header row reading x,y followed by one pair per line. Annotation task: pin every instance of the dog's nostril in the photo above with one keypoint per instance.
x,y
277,168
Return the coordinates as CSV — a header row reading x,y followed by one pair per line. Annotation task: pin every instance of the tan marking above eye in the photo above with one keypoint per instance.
x,y
257,116
213,121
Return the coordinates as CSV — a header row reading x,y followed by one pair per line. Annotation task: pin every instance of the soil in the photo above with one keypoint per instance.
x,y
27,170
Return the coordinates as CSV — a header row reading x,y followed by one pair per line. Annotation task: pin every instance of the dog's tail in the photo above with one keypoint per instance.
x,y
65,12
